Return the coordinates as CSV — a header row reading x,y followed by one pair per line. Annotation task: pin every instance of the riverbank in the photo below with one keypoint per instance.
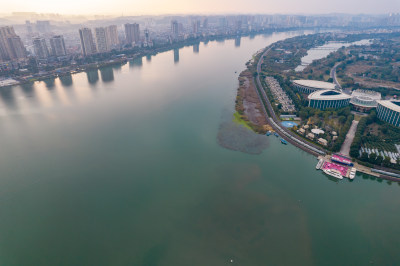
x,y
288,134
248,107
115,58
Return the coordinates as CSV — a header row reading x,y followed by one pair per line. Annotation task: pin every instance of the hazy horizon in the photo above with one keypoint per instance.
x,y
159,7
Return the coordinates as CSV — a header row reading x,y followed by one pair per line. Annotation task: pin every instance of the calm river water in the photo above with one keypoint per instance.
x,y
122,167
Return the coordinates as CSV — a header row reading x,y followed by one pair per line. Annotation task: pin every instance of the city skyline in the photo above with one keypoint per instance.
x,y
142,7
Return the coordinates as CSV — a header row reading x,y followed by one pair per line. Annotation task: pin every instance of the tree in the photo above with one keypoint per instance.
x,y
386,161
372,158
364,157
379,160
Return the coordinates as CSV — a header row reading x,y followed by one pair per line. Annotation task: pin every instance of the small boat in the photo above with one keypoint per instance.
x,y
276,134
268,133
353,172
333,173
283,141
319,164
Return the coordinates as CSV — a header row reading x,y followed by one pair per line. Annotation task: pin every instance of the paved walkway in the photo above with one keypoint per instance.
x,y
345,150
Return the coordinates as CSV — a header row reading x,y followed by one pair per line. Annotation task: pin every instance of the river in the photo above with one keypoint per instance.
x,y
122,167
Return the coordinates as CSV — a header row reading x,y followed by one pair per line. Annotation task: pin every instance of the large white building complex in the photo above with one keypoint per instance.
x,y
323,99
365,100
389,111
309,86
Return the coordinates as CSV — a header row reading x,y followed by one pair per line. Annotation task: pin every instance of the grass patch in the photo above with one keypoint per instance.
x,y
237,118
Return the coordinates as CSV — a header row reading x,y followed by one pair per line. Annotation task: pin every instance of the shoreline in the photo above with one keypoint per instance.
x,y
132,55
293,138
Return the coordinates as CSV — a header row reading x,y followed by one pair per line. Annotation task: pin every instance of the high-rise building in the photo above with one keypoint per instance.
x,y
29,28
40,48
132,33
174,28
87,42
43,26
223,23
17,47
11,46
205,23
196,26
102,43
112,36
57,45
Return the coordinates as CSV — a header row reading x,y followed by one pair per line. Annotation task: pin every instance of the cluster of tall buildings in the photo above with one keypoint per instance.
x,y
41,26
103,40
11,46
57,46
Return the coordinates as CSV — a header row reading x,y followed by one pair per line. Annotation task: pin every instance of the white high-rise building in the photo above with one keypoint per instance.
x,y
57,45
112,36
40,48
174,28
102,44
87,42
11,46
132,33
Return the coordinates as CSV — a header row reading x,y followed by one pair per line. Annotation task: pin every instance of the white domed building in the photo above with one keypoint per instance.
x,y
309,86
324,99
365,100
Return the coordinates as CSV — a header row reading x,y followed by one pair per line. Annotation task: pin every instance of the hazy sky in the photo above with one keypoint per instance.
x,y
128,7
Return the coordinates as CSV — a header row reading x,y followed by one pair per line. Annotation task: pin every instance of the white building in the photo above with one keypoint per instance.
x,y
309,86
364,100
40,48
102,44
389,111
323,99
87,41
57,45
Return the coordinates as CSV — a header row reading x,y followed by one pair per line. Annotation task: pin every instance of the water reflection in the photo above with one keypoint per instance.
x,y
117,67
50,83
236,137
196,48
8,97
28,90
237,41
379,180
136,62
66,80
107,74
176,55
92,76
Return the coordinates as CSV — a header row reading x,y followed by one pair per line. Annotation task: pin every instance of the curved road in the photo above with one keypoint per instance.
x,y
333,75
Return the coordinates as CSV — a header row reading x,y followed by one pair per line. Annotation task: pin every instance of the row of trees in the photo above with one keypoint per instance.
x,y
377,160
